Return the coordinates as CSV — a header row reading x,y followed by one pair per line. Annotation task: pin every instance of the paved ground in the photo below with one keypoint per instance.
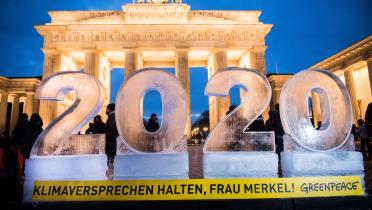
x,y
196,166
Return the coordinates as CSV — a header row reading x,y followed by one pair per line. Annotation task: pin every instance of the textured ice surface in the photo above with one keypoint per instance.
x,y
64,167
321,163
240,164
291,146
151,166
129,116
231,133
335,106
56,138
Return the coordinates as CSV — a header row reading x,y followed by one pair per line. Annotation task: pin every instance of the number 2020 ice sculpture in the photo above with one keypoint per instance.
x,y
230,151
329,150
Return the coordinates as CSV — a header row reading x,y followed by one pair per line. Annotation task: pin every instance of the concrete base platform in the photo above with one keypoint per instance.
x,y
134,166
63,167
240,164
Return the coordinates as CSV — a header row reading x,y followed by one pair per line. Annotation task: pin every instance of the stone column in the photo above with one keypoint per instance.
x,y
15,113
3,111
36,106
220,62
211,99
183,74
52,64
257,56
350,85
131,62
29,104
92,62
317,111
369,66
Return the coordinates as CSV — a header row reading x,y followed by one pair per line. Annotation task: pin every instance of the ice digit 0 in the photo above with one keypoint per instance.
x,y
129,116
335,108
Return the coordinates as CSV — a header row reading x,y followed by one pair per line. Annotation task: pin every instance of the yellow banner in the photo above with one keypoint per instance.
x,y
197,189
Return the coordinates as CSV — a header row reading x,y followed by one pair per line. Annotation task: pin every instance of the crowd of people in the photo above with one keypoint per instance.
x,y
15,149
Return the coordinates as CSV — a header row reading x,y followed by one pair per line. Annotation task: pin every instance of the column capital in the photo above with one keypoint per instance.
x,y
368,58
261,48
91,50
219,49
29,93
182,48
50,51
13,95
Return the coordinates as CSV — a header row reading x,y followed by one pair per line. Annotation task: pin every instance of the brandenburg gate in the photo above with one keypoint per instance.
x,y
152,34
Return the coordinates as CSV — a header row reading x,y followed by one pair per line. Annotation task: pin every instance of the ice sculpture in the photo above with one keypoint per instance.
x,y
335,108
231,149
151,155
58,153
329,150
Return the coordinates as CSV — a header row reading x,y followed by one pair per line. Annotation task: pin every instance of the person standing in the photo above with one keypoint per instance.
x,y
152,124
97,126
111,134
364,142
368,119
20,129
368,123
279,131
33,130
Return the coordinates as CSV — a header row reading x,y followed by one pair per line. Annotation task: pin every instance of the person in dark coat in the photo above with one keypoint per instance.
x,y
97,126
152,124
231,108
368,121
33,130
19,129
257,125
111,134
279,131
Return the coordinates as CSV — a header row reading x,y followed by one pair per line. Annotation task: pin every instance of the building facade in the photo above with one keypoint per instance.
x,y
17,97
353,66
155,34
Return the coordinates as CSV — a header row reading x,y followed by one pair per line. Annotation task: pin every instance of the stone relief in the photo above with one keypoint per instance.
x,y
53,37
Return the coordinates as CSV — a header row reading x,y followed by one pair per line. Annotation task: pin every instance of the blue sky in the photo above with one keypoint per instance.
x,y
304,33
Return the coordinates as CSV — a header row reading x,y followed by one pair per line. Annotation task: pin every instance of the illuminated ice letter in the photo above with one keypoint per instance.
x,y
151,155
231,149
58,153
328,150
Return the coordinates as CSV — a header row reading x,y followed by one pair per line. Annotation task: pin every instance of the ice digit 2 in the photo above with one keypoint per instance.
x,y
129,111
335,108
57,136
232,133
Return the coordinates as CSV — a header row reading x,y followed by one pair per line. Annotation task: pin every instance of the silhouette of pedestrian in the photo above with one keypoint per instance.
x,y
111,134
364,141
20,129
97,126
33,130
152,124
